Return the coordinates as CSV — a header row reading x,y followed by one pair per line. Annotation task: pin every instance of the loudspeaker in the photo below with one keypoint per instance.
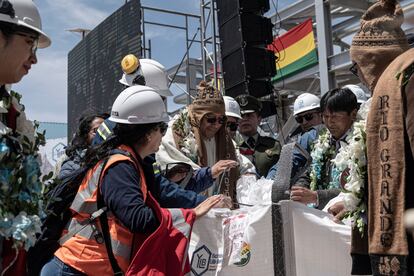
x,y
248,29
257,88
248,63
244,32
229,8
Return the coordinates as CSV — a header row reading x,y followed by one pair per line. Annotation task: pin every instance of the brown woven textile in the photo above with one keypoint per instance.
x,y
387,169
207,101
379,41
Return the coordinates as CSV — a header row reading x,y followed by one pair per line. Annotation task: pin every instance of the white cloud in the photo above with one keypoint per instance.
x,y
163,33
74,13
44,88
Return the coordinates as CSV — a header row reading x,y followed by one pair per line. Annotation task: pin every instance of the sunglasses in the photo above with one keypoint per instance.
x,y
34,44
232,126
306,117
354,69
212,120
163,128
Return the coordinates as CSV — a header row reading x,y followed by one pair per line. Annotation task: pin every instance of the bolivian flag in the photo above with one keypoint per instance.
x,y
295,50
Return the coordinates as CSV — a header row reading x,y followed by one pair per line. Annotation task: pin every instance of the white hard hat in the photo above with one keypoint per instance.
x,y
305,102
358,91
232,107
24,13
154,74
138,105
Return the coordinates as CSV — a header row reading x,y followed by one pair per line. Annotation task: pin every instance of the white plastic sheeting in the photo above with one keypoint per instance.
x,y
314,244
241,242
233,243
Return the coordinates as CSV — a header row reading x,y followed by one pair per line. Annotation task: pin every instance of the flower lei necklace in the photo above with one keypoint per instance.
x,y
188,144
321,154
349,166
20,184
351,160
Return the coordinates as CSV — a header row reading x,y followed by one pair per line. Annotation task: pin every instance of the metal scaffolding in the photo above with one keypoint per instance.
x,y
192,69
335,23
209,35
188,65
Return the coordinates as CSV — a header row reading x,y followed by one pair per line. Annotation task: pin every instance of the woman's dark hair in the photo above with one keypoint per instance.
x,y
80,140
339,99
123,134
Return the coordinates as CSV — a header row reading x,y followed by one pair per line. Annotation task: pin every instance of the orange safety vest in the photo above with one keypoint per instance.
x,y
81,250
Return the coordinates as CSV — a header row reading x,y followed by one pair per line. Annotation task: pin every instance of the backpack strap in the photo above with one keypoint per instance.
x,y
103,218
93,216
101,213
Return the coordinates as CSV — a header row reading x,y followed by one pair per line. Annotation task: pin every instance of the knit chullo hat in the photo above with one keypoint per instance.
x,y
208,100
379,41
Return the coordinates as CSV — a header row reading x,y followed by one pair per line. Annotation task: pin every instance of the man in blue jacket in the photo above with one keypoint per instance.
x,y
306,110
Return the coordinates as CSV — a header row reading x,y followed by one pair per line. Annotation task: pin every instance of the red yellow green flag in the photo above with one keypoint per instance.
x,y
295,50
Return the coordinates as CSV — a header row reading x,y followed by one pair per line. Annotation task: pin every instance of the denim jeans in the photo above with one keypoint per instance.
x,y
56,267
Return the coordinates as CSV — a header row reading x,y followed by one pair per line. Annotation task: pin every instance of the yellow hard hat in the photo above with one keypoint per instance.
x,y
129,63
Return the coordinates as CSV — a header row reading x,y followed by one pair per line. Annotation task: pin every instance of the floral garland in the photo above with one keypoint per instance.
x,y
351,160
187,144
349,165
20,185
321,154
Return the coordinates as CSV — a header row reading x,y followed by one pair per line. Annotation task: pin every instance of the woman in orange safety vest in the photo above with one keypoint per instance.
x,y
120,186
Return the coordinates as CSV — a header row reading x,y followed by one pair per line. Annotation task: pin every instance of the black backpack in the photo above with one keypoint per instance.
x,y
58,212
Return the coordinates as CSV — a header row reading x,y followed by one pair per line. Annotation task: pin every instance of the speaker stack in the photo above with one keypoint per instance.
x,y
244,32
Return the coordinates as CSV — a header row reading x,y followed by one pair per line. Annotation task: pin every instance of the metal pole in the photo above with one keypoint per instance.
x,y
202,38
187,63
184,56
170,12
143,50
149,48
325,45
213,16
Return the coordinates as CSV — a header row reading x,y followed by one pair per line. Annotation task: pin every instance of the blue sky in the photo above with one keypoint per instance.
x,y
44,90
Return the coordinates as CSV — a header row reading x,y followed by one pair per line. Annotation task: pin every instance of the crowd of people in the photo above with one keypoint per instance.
x,y
147,174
